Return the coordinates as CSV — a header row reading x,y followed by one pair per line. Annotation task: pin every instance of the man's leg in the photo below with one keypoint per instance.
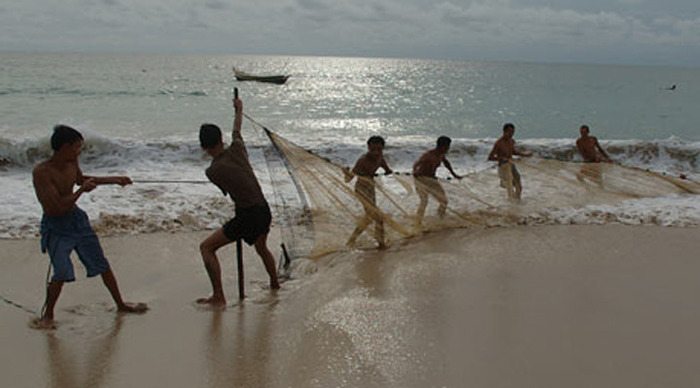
x,y
208,249
505,172
111,283
439,193
372,214
379,233
364,191
517,185
423,196
361,226
53,290
268,260
91,255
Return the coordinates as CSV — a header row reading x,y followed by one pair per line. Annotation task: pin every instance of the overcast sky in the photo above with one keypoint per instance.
x,y
600,31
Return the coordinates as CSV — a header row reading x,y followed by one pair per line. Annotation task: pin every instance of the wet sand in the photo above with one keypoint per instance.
x,y
555,306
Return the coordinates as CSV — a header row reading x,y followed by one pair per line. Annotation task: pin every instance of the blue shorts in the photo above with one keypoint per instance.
x,y
60,235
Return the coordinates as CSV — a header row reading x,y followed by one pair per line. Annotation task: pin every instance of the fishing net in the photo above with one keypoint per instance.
x,y
321,212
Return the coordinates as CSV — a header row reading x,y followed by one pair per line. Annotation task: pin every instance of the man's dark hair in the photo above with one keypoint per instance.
x,y
63,134
508,126
444,141
585,127
376,140
209,136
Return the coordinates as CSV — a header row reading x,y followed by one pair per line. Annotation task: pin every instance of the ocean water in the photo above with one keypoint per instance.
x,y
140,115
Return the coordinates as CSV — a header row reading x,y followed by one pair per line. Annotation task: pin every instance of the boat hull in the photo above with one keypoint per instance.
x,y
273,79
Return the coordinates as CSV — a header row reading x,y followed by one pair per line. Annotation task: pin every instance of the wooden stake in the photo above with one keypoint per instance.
x,y
241,282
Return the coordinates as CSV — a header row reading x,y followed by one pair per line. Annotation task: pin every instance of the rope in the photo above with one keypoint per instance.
x,y
46,300
27,309
166,181
17,305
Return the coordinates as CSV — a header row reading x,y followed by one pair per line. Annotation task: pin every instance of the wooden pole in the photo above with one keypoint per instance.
x,y
241,282
239,246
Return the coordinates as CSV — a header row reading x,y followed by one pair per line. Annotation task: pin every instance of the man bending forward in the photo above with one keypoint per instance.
x,y
230,170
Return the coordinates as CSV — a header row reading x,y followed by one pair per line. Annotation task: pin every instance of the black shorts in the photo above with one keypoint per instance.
x,y
249,224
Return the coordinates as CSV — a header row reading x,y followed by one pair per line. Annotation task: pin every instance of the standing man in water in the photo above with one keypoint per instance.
x,y
65,227
589,148
503,152
231,171
365,168
425,180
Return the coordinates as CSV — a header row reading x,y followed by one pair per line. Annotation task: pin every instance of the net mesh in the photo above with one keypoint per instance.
x,y
321,212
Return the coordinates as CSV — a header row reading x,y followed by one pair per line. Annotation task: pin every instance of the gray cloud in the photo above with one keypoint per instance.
x,y
217,5
547,30
313,5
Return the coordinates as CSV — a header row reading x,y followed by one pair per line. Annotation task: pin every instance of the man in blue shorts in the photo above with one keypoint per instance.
x,y
65,227
231,171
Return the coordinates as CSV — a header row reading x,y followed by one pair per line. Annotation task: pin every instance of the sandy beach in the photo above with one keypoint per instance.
x,y
551,306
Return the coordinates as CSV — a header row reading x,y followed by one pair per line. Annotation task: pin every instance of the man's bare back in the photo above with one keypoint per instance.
x,y
428,163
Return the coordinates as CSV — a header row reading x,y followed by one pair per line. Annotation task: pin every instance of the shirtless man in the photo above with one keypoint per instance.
x,y
231,171
591,152
425,180
65,227
365,168
589,148
503,152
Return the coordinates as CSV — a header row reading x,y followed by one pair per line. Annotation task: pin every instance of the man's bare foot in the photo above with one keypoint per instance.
x,y
43,324
274,285
133,308
212,301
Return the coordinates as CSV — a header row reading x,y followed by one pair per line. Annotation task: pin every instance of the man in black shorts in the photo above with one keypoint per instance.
x,y
230,170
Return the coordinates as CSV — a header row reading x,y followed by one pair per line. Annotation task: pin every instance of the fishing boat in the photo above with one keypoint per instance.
x,y
274,79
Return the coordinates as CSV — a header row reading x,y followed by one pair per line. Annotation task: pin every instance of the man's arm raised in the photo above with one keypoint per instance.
x,y
237,119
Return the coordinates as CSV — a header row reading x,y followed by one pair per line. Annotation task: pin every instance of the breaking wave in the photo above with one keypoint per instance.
x,y
669,155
